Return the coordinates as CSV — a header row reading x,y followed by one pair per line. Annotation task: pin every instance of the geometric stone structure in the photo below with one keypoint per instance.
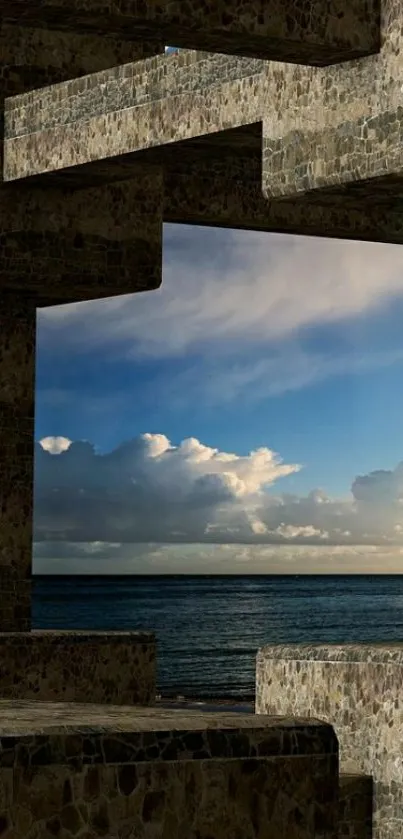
x,y
106,138
278,115
76,770
283,31
358,689
49,240
97,667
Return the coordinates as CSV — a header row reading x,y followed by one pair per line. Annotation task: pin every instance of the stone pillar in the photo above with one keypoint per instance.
x,y
29,260
17,383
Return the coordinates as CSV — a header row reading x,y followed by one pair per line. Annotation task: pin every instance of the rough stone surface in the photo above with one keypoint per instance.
x,y
359,690
69,770
284,30
355,807
329,137
56,247
114,668
61,246
17,373
94,160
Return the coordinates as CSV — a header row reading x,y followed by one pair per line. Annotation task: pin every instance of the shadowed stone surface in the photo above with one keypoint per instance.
x,y
355,807
70,245
328,136
17,375
93,167
114,668
123,772
284,30
359,690
60,247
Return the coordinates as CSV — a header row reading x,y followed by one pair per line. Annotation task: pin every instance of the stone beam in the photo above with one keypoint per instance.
x,y
63,245
319,33
340,128
227,193
331,133
136,107
31,57
53,240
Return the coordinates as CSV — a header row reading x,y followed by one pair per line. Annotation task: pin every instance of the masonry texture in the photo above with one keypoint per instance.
x,y
68,769
357,688
277,115
277,29
114,668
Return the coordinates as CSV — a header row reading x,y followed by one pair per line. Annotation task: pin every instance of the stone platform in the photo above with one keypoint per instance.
x,y
141,773
117,668
358,688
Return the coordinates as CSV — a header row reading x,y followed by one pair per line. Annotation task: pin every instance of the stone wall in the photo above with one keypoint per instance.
x,y
359,690
355,807
111,668
71,770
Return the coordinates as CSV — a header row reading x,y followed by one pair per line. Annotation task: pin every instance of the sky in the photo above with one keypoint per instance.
x,y
244,418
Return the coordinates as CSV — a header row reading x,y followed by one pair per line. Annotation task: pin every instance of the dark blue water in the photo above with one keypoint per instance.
x,y
209,627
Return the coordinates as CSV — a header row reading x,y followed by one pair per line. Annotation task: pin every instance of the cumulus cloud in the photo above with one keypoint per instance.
x,y
148,490
55,445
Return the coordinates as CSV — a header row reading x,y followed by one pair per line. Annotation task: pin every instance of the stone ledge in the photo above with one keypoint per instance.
x,y
380,652
78,666
84,770
58,733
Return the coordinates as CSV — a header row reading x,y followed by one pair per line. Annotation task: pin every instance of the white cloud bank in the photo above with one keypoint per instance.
x,y
106,558
150,491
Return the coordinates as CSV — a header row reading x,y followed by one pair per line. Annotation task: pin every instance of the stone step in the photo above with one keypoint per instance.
x,y
117,668
75,770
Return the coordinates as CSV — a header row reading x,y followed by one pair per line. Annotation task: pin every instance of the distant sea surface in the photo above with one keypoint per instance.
x,y
209,628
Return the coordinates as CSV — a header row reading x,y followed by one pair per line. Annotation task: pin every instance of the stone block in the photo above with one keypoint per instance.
x,y
63,244
114,668
69,770
358,688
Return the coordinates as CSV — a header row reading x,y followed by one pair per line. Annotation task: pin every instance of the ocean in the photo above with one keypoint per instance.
x,y
209,628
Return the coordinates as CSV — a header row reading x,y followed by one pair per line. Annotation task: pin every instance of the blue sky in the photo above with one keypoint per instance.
x,y
289,345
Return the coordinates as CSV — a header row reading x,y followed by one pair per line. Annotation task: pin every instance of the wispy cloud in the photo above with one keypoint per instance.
x,y
280,370
234,288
